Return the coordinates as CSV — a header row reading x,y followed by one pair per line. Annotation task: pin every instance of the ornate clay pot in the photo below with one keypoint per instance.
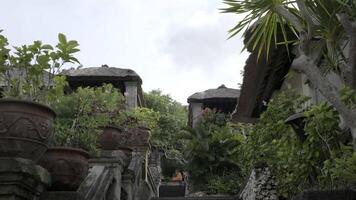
x,y
25,128
111,138
68,167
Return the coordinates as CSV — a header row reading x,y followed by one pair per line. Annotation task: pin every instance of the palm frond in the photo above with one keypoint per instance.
x,y
262,27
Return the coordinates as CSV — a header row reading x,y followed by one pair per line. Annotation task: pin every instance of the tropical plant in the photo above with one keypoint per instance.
x,y
324,38
227,183
297,164
172,119
29,71
82,114
211,153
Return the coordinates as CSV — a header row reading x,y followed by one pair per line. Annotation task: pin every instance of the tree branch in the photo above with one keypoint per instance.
x,y
307,66
289,17
307,15
350,30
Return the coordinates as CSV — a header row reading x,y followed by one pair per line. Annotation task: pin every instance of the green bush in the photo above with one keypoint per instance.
x,y
228,183
296,164
172,119
81,114
212,154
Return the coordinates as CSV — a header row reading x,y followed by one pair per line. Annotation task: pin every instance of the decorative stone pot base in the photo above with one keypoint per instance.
x,y
22,179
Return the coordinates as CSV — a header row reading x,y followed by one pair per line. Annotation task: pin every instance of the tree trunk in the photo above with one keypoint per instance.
x,y
306,65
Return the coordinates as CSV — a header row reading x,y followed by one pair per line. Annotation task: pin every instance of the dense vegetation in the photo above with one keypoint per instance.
x,y
211,154
219,156
323,160
172,119
324,42
82,114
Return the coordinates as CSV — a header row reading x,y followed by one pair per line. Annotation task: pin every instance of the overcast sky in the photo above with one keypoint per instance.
x,y
178,46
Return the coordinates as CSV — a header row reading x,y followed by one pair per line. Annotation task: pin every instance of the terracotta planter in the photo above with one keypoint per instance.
x,y
25,128
68,167
111,138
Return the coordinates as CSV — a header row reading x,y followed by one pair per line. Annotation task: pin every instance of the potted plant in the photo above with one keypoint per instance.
x,y
111,133
134,131
80,116
27,86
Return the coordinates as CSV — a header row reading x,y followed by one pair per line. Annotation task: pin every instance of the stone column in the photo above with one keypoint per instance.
x,y
22,179
131,94
196,112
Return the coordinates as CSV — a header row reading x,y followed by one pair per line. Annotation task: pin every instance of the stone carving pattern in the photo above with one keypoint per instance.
x,y
33,127
260,186
134,137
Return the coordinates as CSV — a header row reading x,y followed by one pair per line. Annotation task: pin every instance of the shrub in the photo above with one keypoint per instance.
x,y
81,114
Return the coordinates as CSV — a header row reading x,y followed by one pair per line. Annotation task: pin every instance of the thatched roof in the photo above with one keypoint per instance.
x,y
113,73
96,76
222,93
261,78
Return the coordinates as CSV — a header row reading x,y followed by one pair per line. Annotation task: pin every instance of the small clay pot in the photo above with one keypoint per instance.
x,y
68,167
25,128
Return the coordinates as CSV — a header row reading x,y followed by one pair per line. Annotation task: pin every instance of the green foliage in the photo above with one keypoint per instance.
x,y
212,153
267,23
172,119
139,116
29,71
296,165
228,183
348,96
81,114
344,169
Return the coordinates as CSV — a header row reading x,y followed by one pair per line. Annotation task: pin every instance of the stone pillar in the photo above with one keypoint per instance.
x,y
196,112
22,179
131,94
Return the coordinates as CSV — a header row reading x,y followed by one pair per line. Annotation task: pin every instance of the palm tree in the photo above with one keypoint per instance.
x,y
325,30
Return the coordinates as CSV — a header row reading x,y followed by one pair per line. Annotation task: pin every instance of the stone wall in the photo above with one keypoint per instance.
x,y
259,186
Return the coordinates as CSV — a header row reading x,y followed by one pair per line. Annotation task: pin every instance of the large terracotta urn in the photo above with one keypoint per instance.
x,y
25,128
68,167
111,138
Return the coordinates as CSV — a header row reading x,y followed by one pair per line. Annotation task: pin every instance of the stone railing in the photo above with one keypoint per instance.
x,y
104,178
